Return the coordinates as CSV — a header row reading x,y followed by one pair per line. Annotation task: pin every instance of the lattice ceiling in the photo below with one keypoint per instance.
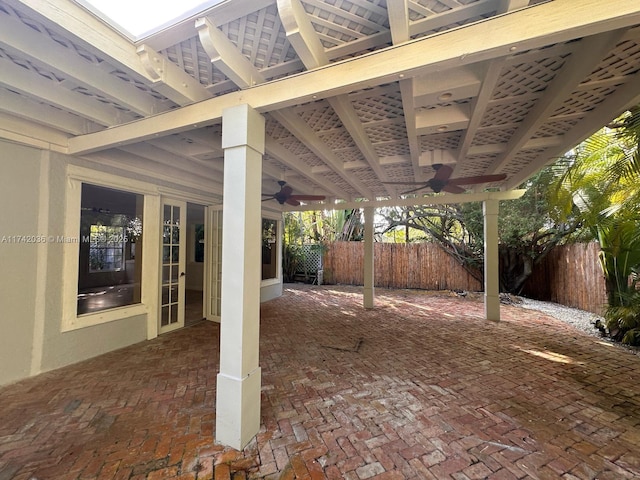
x,y
407,86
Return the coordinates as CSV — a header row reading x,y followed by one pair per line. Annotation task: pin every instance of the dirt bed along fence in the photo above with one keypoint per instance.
x,y
569,275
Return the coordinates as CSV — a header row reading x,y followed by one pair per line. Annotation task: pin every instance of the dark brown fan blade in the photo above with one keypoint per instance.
x,y
443,172
292,201
308,197
404,183
415,189
453,188
478,179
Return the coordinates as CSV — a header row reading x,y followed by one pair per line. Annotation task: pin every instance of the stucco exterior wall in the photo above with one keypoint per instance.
x,y
33,186
19,178
64,348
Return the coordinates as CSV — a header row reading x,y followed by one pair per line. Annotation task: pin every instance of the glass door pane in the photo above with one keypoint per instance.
x,y
173,266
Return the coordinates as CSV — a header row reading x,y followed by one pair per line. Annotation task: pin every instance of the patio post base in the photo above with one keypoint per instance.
x,y
238,409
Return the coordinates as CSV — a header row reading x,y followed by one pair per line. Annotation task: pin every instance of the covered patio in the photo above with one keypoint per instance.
x,y
421,387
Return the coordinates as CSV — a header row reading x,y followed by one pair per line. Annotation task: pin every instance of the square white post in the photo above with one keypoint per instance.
x,y
239,380
491,261
369,257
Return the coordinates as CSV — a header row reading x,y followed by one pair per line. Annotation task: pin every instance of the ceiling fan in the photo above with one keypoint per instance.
x,y
285,195
442,183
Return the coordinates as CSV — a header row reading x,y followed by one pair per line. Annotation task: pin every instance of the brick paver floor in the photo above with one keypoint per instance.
x,y
421,387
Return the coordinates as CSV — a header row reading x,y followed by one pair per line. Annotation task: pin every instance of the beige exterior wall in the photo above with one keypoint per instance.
x,y
33,185
19,177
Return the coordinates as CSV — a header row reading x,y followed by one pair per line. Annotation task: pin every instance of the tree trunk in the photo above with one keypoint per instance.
x,y
515,267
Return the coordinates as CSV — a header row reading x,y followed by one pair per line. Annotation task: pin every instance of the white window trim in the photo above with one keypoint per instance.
x,y
76,176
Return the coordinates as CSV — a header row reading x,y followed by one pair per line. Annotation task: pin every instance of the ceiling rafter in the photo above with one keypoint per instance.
x,y
308,46
287,158
523,30
399,21
24,107
624,98
225,56
19,38
236,66
21,80
143,166
164,157
100,39
19,130
458,14
169,79
305,134
408,107
481,101
571,74
479,108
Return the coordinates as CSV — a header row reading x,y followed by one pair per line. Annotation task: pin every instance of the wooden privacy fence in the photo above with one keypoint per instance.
x,y
569,275
413,265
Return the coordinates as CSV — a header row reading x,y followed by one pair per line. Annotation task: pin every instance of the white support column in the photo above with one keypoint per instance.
x,y
491,261
239,380
369,272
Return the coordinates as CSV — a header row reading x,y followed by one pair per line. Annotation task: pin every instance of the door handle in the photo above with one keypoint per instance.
x,y
183,274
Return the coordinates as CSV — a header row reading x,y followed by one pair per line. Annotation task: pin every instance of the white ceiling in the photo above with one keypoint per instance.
x,y
355,93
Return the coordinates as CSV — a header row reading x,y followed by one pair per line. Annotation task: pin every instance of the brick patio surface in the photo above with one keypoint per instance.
x,y
421,387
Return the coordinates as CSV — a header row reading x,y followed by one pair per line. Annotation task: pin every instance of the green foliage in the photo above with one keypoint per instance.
x,y
292,260
619,256
623,320
527,229
602,188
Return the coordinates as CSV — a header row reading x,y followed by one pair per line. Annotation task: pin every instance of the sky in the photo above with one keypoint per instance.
x,y
138,17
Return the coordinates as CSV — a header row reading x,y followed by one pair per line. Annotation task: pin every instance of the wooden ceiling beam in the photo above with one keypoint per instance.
x,y
226,57
169,79
545,24
576,68
309,138
624,98
288,159
23,80
307,44
103,41
40,49
398,13
301,34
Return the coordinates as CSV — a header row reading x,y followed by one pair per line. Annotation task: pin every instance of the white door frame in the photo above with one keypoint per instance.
x,y
213,263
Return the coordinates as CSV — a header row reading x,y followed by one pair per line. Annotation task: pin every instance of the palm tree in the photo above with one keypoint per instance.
x,y
601,187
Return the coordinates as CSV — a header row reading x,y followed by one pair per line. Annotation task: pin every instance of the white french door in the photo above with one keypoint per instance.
x,y
173,265
213,259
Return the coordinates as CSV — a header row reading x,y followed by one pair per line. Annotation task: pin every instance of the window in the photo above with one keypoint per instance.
x,y
106,250
269,248
109,264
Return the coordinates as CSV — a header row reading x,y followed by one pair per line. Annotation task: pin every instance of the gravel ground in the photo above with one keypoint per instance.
x,y
579,319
